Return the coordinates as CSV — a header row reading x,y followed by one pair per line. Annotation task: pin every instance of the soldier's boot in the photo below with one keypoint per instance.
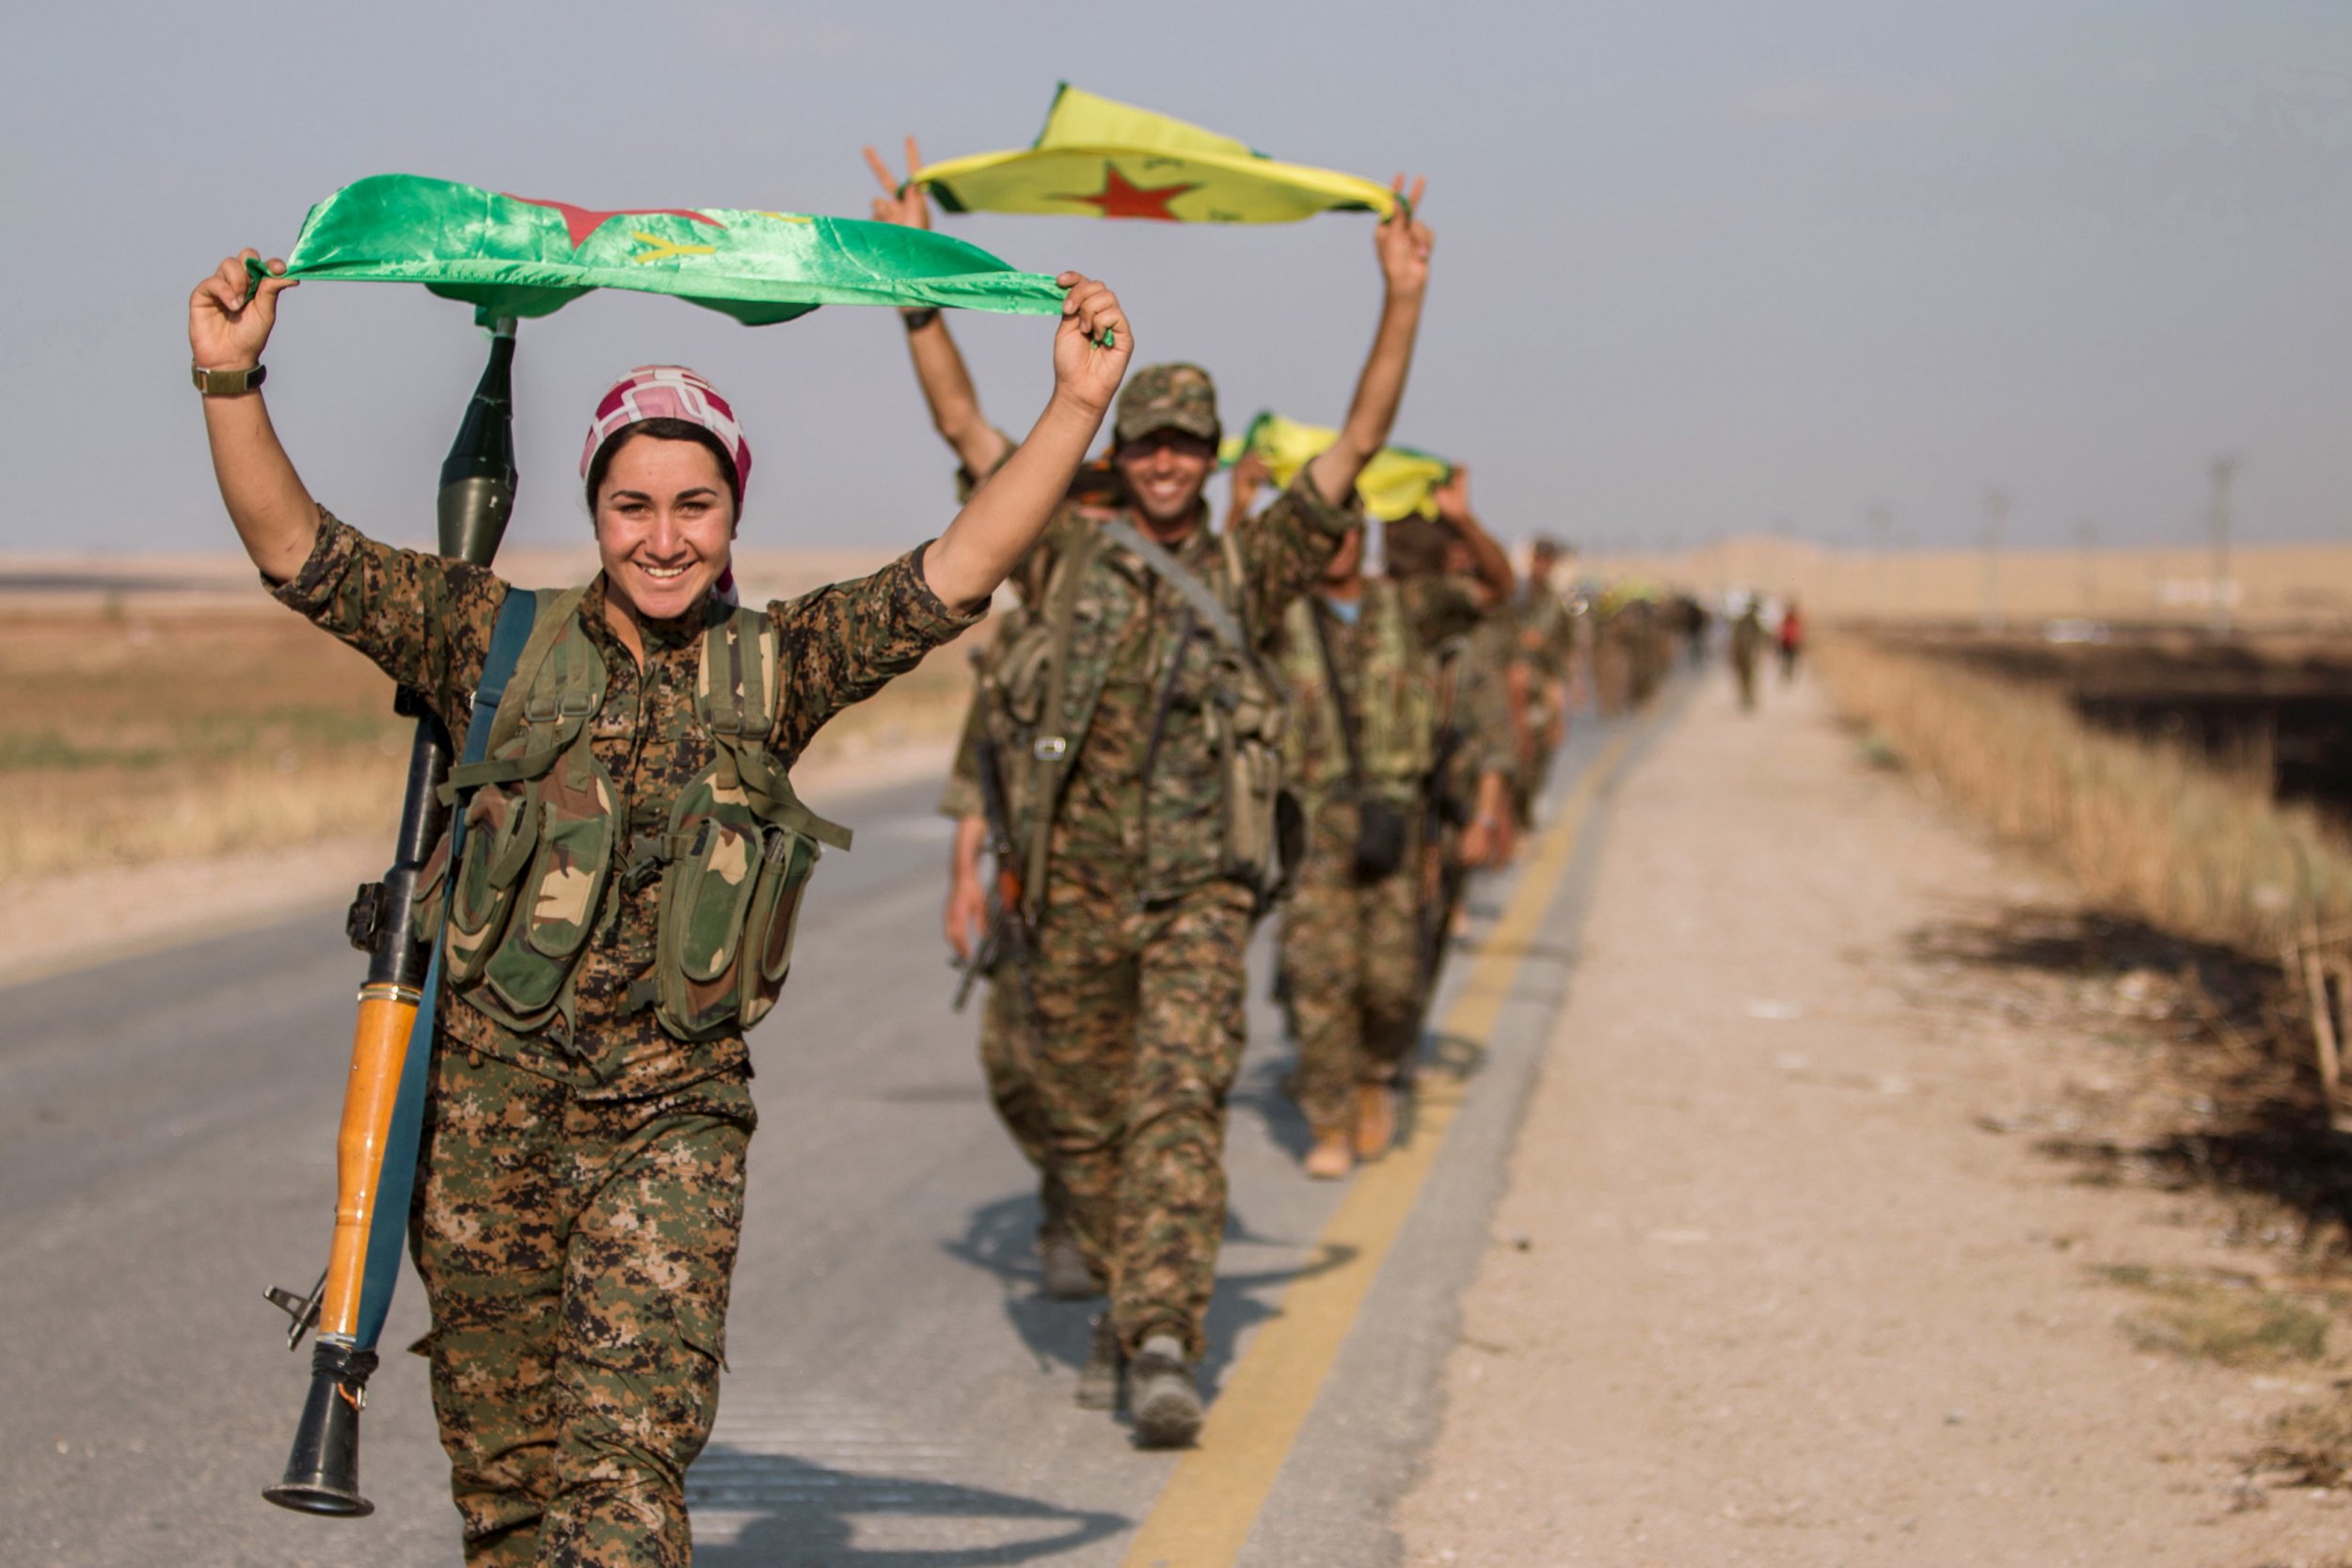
x,y
1375,1120
1331,1157
1067,1276
1098,1380
1162,1396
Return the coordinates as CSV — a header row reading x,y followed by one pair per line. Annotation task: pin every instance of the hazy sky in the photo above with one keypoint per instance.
x,y
1702,266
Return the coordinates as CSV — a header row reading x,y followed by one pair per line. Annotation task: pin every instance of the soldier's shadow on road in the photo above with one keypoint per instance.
x,y
808,1517
1000,1238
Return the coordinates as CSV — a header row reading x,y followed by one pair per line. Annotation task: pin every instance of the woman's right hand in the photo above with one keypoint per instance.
x,y
226,331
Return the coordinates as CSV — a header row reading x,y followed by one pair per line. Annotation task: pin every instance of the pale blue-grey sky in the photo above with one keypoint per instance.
x,y
1704,265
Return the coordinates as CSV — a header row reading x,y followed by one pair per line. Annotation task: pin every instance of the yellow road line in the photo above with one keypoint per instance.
x,y
1212,1499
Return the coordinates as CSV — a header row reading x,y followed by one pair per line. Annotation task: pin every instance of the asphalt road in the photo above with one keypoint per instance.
x,y
898,1393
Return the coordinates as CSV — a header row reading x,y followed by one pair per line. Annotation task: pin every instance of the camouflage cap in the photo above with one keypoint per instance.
x,y
1168,397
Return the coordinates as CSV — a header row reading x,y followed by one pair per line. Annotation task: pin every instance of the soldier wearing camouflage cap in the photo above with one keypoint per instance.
x,y
1145,735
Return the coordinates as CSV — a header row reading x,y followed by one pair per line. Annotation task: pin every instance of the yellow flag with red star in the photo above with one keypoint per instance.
x,y
1097,158
1399,481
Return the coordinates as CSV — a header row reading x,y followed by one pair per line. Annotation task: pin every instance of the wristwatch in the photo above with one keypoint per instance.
x,y
918,317
227,384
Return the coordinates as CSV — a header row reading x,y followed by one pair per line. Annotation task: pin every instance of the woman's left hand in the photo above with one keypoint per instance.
x,y
1093,345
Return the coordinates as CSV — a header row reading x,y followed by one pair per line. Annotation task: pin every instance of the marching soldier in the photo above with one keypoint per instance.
x,y
1547,648
583,1149
1747,648
1358,657
1145,789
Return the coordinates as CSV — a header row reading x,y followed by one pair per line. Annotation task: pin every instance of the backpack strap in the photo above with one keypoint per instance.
x,y
1051,753
1214,612
518,615
579,693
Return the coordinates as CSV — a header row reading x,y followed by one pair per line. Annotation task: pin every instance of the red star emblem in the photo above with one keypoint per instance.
x,y
580,222
1119,199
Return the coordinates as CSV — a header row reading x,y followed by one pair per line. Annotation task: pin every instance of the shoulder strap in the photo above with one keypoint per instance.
x,y
517,619
739,691
554,609
1213,610
1050,751
739,688
1321,618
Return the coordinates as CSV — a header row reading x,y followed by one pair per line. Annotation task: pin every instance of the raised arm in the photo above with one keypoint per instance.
x,y
1487,559
274,513
1004,516
939,367
1403,243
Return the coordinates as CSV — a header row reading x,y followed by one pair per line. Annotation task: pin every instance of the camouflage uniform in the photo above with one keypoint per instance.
x,y
1547,646
1138,972
576,1222
1351,948
1747,646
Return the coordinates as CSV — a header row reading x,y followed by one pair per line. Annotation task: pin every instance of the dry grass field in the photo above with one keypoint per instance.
x,y
2154,831
138,727
2268,585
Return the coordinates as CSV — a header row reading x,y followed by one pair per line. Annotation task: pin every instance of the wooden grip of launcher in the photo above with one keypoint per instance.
x,y
380,1049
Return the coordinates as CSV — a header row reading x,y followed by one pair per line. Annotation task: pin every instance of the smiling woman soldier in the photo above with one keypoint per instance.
x,y
620,913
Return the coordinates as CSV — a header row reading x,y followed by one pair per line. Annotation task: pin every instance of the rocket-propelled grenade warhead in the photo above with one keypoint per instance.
x,y
478,475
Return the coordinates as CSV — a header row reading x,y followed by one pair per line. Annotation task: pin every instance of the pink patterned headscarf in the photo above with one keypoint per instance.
x,y
668,392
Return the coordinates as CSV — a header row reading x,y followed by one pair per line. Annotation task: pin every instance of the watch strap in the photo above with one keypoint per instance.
x,y
227,384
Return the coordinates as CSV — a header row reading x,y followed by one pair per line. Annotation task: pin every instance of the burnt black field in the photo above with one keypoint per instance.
x,y
2276,702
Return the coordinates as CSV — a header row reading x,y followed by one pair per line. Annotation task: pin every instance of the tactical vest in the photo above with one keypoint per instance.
x,y
1048,696
1396,714
544,840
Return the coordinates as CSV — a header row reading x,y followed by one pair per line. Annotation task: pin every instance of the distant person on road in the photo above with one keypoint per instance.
x,y
1747,649
582,1174
1147,743
1357,657
1792,640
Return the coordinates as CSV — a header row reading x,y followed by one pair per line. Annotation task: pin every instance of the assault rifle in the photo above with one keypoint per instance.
x,y
1007,939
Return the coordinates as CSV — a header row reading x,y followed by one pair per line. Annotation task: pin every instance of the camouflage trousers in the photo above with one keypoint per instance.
x,y
576,1255
1008,1062
1138,1035
1351,970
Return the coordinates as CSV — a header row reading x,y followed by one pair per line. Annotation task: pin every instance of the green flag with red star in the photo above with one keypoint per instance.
x,y
517,256
1097,158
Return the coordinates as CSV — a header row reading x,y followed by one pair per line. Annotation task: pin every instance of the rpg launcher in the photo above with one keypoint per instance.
x,y
376,1151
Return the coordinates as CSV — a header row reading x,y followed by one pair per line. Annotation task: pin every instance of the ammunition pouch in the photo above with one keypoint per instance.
x,y
1383,833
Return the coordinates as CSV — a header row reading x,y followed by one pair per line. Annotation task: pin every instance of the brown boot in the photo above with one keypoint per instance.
x,y
1375,1120
1329,1160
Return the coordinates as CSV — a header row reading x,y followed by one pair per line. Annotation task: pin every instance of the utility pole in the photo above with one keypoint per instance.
x,y
1881,520
2224,470
2087,535
1996,518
